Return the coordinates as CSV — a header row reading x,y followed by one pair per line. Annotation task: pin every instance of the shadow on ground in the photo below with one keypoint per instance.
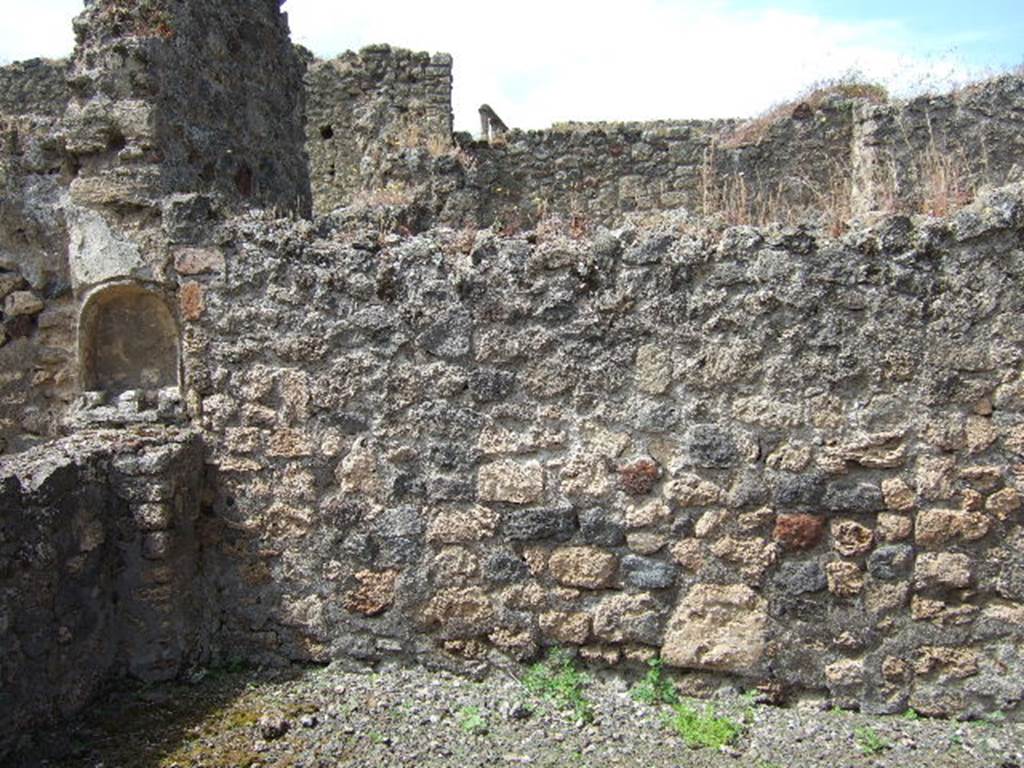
x,y
160,726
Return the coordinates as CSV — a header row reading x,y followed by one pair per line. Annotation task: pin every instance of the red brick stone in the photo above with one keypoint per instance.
x,y
639,477
190,300
798,531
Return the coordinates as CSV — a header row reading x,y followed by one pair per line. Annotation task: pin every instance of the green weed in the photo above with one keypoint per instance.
x,y
911,714
559,681
472,721
703,729
869,742
655,688
993,719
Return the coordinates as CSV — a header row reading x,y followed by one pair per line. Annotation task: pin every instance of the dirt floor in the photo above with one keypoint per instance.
x,y
552,716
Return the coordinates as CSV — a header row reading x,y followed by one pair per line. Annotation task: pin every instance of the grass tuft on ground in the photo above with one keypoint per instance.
x,y
557,680
703,728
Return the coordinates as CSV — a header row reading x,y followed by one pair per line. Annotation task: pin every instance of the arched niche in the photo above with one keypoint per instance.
x,y
127,339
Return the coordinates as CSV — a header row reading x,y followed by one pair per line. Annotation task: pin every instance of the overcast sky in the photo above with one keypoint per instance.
x,y
542,61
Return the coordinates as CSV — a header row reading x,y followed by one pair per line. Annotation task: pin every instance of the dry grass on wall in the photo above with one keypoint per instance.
x,y
738,199
850,87
940,181
946,182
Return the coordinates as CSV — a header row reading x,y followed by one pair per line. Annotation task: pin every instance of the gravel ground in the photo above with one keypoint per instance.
x,y
399,716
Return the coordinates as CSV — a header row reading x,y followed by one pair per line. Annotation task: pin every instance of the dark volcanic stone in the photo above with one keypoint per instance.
x,y
398,551
796,578
488,384
447,338
601,528
451,489
556,523
859,498
797,491
890,562
647,573
504,566
399,521
712,447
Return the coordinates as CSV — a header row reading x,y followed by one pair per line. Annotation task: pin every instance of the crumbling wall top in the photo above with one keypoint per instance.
x,y
36,86
187,97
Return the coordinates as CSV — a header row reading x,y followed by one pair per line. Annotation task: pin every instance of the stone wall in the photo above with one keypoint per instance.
x,y
760,453
765,454
99,567
362,106
114,165
599,173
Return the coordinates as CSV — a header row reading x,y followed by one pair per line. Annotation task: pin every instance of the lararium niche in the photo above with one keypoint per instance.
x,y
128,350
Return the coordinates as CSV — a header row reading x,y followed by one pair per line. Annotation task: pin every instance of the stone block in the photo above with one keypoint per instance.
x,y
198,261
936,527
717,627
798,531
800,578
374,595
190,300
891,562
23,304
556,523
511,481
628,618
601,527
942,570
1004,504
461,613
586,567
897,495
455,526
844,579
647,573
892,527
653,369
565,626
850,538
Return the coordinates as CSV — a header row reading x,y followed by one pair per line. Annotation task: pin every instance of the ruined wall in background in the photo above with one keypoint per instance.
x,y
443,446
99,570
597,173
932,152
826,160
186,98
378,130
36,334
34,87
361,107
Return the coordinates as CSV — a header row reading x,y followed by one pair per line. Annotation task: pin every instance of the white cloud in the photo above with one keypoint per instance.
x,y
34,28
541,61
